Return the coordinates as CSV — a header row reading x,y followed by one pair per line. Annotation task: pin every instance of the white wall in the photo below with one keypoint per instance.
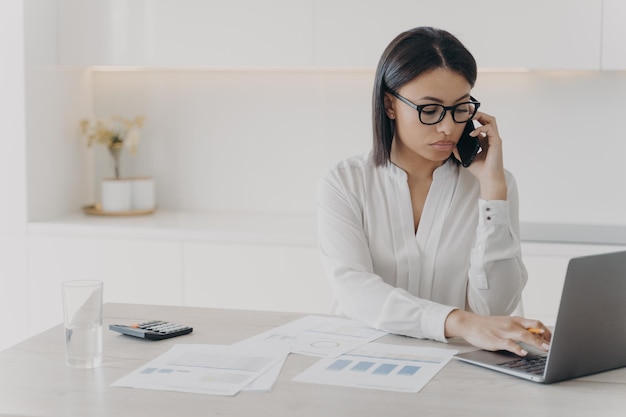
x,y
226,140
564,141
59,165
39,109
13,284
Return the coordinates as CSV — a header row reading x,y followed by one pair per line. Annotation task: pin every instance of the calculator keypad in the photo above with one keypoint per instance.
x,y
152,330
161,326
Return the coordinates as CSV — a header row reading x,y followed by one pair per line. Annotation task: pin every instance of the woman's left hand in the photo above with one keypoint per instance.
x,y
488,166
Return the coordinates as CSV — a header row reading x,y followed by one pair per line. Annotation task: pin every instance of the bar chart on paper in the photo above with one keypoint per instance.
x,y
380,366
376,368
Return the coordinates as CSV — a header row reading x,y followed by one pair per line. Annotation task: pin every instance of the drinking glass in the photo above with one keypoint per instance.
x,y
82,313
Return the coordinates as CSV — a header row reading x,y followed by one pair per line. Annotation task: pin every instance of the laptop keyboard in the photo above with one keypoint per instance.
x,y
534,365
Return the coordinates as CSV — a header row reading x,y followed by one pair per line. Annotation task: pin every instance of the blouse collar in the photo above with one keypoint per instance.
x,y
446,169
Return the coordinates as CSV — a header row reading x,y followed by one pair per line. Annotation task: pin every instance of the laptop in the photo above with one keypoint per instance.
x,y
590,331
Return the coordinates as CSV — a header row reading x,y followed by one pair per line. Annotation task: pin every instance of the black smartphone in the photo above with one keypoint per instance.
x,y
468,146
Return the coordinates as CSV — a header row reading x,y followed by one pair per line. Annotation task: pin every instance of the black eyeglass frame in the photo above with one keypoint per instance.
x,y
446,109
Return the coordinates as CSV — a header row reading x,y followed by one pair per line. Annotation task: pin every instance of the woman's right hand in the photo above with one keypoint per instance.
x,y
497,332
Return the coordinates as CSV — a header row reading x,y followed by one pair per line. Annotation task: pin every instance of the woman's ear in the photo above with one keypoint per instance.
x,y
388,103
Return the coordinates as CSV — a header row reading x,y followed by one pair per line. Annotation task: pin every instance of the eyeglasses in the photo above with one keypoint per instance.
x,y
431,114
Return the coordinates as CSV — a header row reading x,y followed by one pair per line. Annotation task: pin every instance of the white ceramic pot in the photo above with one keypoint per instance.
x,y
116,195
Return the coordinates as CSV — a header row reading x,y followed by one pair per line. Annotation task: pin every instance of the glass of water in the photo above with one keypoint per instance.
x,y
82,314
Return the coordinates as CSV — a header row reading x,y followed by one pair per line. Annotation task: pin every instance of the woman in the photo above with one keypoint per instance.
x,y
414,243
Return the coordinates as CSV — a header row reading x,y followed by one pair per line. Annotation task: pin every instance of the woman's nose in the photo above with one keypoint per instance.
x,y
447,124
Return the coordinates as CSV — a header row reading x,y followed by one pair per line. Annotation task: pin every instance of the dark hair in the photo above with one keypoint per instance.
x,y
409,55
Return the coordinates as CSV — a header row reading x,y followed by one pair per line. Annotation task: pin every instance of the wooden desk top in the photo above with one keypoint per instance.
x,y
34,380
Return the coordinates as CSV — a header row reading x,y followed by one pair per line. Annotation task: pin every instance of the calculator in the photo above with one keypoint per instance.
x,y
152,330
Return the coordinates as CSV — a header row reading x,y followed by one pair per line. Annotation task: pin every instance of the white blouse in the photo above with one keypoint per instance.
x,y
466,252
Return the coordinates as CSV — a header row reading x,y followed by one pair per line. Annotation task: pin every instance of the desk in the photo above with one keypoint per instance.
x,y
34,380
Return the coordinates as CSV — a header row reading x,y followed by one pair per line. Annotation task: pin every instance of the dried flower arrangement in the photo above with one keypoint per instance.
x,y
116,134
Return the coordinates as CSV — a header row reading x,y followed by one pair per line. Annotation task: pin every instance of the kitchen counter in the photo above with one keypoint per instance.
x,y
225,227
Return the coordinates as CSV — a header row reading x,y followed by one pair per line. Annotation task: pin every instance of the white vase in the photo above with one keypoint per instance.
x,y
116,195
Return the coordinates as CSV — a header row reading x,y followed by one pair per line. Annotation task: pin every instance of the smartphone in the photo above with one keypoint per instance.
x,y
468,146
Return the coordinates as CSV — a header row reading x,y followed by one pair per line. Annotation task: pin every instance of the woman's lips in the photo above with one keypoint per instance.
x,y
444,146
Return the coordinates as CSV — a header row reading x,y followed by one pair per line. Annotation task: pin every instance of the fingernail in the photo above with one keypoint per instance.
x,y
524,353
545,346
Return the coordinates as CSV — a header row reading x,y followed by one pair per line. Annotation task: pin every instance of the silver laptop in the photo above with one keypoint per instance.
x,y
590,331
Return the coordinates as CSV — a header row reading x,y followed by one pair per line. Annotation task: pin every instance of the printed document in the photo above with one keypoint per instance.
x,y
317,336
311,335
380,366
204,369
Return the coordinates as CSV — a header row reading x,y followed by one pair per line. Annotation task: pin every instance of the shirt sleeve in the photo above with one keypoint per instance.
x,y
361,294
497,274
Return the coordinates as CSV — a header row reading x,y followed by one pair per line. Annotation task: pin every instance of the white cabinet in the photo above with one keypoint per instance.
x,y
534,34
259,262
614,35
13,289
185,33
220,263
256,277
132,270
